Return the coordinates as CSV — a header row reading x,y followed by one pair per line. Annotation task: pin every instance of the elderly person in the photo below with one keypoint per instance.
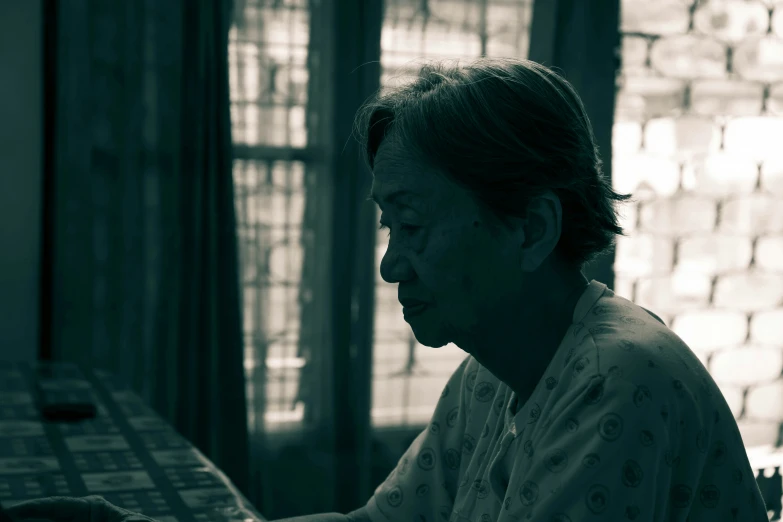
x,y
573,404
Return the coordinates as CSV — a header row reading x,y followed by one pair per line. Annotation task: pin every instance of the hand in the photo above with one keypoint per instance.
x,y
70,509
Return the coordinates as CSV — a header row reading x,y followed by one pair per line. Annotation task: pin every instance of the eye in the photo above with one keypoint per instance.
x,y
404,227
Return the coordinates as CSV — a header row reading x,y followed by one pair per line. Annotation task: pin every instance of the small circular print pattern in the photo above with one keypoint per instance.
x,y
668,458
482,488
632,320
556,461
535,413
580,365
632,474
527,447
601,329
484,392
597,498
528,492
595,392
470,380
646,438
680,496
641,395
468,444
709,496
452,458
610,427
451,417
591,460
426,459
719,453
394,496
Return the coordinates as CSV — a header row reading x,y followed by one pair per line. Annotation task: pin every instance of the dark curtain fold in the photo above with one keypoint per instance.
x,y
211,321
145,270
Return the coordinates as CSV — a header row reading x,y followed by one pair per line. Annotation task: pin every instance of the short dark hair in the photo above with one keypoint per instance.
x,y
507,130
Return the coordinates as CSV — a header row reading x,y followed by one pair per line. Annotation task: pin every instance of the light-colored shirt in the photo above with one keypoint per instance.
x,y
625,424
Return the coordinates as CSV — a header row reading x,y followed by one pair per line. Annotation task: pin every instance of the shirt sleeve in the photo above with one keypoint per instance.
x,y
602,457
423,485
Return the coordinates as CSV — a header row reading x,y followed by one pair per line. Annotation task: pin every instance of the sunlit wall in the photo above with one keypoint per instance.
x,y
698,139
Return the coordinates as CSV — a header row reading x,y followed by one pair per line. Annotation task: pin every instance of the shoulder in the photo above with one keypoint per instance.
x,y
620,358
620,338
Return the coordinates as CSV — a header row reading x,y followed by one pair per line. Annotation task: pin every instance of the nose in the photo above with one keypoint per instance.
x,y
395,268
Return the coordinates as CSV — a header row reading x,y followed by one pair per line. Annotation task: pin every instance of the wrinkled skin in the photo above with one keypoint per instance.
x,y
498,292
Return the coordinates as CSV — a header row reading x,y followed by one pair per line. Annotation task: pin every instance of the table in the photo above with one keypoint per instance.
x,y
126,454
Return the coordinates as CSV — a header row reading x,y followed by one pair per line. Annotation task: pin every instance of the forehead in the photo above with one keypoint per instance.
x,y
398,175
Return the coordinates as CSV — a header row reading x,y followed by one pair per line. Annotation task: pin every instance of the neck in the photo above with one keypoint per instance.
x,y
518,343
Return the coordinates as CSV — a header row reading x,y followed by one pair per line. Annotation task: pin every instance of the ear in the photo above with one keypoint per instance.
x,y
541,229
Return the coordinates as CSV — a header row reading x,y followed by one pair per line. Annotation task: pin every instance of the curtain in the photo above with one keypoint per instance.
x,y
144,255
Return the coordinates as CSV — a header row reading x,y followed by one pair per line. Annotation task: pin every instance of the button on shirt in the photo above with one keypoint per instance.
x,y
625,424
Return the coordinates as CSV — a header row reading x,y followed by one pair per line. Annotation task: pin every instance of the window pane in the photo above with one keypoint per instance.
x,y
268,74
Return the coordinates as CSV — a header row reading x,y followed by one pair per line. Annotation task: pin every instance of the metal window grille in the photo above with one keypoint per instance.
x,y
268,82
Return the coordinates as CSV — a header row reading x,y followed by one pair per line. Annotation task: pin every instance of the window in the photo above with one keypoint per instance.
x,y
268,81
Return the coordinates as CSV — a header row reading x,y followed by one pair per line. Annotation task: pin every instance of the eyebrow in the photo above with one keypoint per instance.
x,y
392,197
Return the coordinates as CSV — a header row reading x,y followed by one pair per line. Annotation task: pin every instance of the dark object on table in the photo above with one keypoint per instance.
x,y
68,411
56,406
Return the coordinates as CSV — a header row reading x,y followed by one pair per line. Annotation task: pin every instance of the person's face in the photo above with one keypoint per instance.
x,y
441,250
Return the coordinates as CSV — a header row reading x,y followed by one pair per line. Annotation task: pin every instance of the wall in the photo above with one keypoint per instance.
x,y
21,140
697,139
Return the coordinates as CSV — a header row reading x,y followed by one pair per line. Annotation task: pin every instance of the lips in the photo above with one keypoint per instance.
x,y
413,309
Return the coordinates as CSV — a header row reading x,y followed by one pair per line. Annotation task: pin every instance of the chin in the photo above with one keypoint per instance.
x,y
430,338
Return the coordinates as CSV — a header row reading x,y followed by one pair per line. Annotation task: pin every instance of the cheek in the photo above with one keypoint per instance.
x,y
448,260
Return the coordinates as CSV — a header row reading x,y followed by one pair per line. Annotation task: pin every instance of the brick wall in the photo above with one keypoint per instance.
x,y
698,139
